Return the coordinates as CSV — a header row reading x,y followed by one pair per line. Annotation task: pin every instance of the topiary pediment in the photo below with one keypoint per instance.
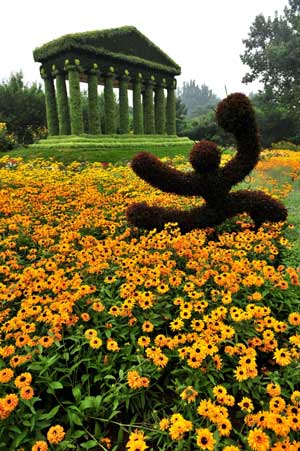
x,y
124,43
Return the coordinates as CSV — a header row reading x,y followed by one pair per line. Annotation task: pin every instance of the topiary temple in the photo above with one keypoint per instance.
x,y
120,58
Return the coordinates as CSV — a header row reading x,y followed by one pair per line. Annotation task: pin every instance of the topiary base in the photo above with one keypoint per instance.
x,y
95,142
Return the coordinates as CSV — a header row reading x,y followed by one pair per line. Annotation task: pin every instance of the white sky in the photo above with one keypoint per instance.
x,y
203,36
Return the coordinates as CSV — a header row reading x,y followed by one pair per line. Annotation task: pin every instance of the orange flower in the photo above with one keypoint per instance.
x,y
40,445
85,316
23,380
46,341
55,434
27,392
10,402
6,375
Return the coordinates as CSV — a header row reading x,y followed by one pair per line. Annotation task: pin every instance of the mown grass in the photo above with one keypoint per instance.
x,y
112,155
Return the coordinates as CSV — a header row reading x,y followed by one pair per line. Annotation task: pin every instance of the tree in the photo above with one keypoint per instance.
x,y
198,100
273,55
276,122
22,107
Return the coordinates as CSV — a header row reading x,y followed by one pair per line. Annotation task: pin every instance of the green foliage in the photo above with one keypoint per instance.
x,y
287,145
22,108
275,120
207,128
75,102
272,54
198,100
7,141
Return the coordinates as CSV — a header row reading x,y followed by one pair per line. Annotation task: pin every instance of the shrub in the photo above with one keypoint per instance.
x,y
7,140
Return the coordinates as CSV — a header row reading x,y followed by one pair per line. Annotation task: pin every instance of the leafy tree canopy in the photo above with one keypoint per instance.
x,y
273,54
22,107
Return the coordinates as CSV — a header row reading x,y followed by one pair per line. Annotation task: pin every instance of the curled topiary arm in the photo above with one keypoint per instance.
x,y
160,175
236,115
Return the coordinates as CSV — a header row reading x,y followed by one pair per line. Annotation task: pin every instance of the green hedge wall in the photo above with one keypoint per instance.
x,y
62,105
75,101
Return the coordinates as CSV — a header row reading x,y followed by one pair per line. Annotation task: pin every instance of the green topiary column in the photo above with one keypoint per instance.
x,y
109,103
51,109
62,104
144,109
160,110
93,102
138,127
149,109
171,110
123,104
75,99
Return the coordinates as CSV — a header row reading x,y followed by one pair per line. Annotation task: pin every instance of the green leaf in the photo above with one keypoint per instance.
x,y
89,402
89,445
76,393
49,415
77,434
55,385
18,440
74,418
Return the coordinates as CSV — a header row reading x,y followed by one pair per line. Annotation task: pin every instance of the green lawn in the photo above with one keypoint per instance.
x,y
117,155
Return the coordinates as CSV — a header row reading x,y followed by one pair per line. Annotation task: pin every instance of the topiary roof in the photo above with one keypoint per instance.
x,y
123,44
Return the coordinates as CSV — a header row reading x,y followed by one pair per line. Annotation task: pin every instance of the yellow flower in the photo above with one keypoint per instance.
x,y
90,333
205,439
282,357
258,440
189,394
95,342
164,424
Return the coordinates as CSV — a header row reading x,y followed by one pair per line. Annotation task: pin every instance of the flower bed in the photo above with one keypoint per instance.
x,y
115,339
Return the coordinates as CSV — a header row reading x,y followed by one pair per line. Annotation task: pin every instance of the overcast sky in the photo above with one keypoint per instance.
x,y
203,36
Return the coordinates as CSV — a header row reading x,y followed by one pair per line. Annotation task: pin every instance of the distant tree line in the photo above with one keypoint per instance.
x,y
276,120
22,108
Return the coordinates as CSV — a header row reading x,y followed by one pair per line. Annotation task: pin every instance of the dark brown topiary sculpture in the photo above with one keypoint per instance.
x,y
235,115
